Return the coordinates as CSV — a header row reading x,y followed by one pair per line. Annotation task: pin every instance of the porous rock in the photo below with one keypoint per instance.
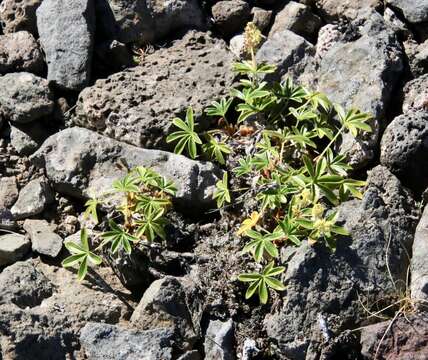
x,y
18,15
416,94
230,16
82,163
414,11
137,105
66,29
403,149
349,9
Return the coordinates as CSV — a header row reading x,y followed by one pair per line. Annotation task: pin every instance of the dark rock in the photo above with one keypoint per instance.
x,y
219,340
230,16
406,339
108,342
286,51
66,29
164,305
23,285
13,247
20,52
261,18
112,56
414,11
82,163
416,95
8,191
350,9
137,105
147,21
324,289
403,149
43,239
191,355
33,199
18,15
419,269
297,18
6,219
362,74
26,138
24,97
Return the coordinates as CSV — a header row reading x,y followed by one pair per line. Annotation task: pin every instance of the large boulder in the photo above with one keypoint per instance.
x,y
18,15
230,17
20,52
56,321
324,289
82,163
362,74
108,342
24,97
349,9
66,29
137,105
145,21
414,11
403,149
417,55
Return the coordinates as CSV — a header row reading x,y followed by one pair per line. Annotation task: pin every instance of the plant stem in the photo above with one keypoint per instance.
x,y
330,143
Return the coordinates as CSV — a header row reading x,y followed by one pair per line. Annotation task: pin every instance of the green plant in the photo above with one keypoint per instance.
x,y
222,193
139,218
186,136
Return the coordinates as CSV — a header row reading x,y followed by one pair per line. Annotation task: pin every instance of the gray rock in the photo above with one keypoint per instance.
x,y
26,138
403,149
23,285
8,191
414,11
230,16
261,18
237,46
20,52
328,36
362,74
147,21
417,55
329,286
82,163
286,50
219,340
419,265
402,339
6,220
398,26
18,15
43,239
350,9
191,355
297,18
57,321
108,342
13,247
164,306
66,29
33,199
137,105
24,97
416,94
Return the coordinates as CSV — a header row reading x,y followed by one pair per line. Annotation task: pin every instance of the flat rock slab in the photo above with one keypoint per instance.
x,y
82,163
24,97
137,105
12,248
109,342
43,239
66,29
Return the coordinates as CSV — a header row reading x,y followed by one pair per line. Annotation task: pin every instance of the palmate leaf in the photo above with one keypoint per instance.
x,y
354,120
165,185
91,209
186,137
81,255
222,194
261,282
216,150
152,225
261,244
119,238
219,108
126,185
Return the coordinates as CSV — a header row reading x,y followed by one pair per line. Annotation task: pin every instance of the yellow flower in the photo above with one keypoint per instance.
x,y
249,223
323,226
253,37
317,211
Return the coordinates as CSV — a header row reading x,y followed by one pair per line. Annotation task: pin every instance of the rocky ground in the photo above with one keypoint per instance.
x,y
87,85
